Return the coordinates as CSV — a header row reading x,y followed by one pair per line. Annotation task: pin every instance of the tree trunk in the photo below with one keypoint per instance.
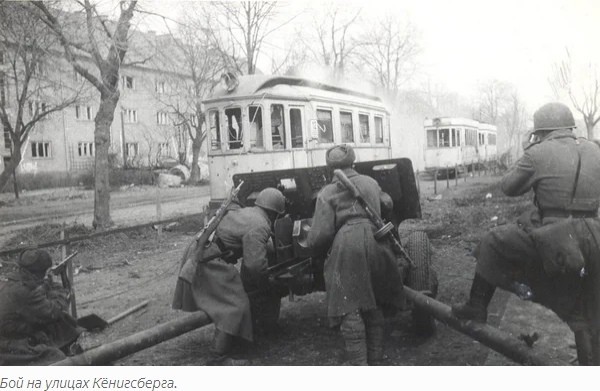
x,y
103,120
195,174
590,129
11,169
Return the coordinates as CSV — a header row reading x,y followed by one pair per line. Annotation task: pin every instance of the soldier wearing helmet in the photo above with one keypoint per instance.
x,y
361,274
240,304
551,254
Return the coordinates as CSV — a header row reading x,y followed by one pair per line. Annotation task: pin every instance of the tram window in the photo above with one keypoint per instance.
x,y
378,130
363,122
256,127
453,134
234,128
481,139
431,138
215,134
458,137
346,123
277,127
444,137
471,137
324,120
296,125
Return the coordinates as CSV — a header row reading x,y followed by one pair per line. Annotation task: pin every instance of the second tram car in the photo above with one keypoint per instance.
x,y
457,144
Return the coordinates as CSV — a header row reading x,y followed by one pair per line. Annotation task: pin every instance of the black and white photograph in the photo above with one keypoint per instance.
x,y
397,184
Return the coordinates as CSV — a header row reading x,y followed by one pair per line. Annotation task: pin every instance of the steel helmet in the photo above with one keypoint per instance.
x,y
271,199
36,261
553,116
340,156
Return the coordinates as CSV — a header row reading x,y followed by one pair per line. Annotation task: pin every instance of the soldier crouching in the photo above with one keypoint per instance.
x,y
34,325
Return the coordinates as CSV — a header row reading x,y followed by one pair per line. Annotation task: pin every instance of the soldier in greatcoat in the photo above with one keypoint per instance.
x,y
240,303
552,254
361,275
35,327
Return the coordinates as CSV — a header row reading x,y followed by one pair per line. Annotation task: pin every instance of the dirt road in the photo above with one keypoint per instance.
x,y
129,206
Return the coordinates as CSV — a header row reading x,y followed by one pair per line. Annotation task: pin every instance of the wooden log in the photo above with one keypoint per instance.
x,y
490,336
120,348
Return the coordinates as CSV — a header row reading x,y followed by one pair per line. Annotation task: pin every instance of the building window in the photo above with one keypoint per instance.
x,y
296,128
235,134
277,127
325,123
160,87
347,128
162,118
193,120
256,127
131,149
84,113
40,150
127,82
130,116
37,108
214,130
85,149
378,130
163,149
363,124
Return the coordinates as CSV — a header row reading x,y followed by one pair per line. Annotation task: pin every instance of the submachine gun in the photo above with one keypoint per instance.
x,y
194,253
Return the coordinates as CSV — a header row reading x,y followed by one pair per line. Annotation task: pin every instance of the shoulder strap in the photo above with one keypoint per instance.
x,y
576,174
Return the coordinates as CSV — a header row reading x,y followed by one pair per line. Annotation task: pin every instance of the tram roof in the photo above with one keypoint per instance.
x,y
458,121
291,87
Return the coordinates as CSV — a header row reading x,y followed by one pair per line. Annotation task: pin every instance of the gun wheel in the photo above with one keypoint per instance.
x,y
421,278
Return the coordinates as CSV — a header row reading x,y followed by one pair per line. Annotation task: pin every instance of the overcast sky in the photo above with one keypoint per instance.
x,y
468,41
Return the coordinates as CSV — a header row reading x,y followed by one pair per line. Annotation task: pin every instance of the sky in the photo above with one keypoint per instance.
x,y
466,42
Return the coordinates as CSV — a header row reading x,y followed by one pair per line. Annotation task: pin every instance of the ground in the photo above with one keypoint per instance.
x,y
119,271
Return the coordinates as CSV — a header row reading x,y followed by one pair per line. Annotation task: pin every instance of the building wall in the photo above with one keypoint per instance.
x,y
71,138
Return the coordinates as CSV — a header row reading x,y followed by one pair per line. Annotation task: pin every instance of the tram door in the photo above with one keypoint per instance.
x,y
298,136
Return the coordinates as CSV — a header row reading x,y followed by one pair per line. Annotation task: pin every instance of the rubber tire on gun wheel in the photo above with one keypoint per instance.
x,y
421,278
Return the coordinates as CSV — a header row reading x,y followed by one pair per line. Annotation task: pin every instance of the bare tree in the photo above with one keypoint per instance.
x,y
105,46
335,36
195,68
514,122
387,52
583,89
493,95
30,89
238,30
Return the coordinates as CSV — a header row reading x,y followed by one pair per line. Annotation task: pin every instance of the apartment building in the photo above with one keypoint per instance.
x,y
144,131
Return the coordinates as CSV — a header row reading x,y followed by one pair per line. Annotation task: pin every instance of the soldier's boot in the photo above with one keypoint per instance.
x,y
221,347
479,299
354,334
374,323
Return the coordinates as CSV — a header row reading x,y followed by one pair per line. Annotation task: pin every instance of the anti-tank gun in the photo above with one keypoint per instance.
x,y
294,271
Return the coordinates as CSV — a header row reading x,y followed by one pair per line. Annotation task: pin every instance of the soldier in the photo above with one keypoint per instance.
x,y
361,274
551,255
237,302
34,324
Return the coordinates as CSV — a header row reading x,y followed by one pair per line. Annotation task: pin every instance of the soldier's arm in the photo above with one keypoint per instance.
x,y
254,245
40,308
520,179
322,230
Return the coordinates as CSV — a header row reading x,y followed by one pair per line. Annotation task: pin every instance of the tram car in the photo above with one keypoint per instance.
x,y
456,145
261,123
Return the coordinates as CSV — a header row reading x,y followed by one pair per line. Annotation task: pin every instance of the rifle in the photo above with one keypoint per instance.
x,y
188,269
383,230
61,269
